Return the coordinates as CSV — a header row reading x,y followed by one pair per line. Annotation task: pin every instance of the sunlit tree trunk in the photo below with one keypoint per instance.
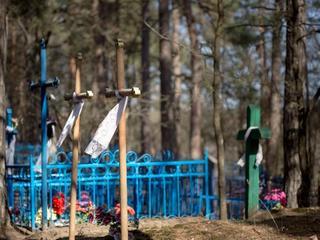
x,y
264,81
295,157
217,109
196,77
176,63
273,157
168,134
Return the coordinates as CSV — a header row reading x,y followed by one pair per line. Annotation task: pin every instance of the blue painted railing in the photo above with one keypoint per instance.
x,y
171,188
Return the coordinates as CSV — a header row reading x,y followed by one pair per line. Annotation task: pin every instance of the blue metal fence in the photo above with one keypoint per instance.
x,y
171,188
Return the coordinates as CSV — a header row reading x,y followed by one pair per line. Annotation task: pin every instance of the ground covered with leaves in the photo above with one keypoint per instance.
x,y
285,224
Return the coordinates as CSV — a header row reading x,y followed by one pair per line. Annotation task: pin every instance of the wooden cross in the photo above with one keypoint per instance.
x,y
252,135
43,84
122,92
76,97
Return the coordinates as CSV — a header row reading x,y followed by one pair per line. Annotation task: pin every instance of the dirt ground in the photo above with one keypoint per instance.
x,y
286,224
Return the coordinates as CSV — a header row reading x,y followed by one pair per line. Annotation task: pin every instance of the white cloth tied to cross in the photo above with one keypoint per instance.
x,y
51,149
10,149
106,129
259,155
76,111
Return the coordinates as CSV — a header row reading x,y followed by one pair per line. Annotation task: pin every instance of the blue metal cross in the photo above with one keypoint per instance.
x,y
43,84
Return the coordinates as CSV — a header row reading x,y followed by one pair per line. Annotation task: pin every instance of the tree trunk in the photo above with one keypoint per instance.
x,y
99,10
176,63
146,140
22,60
295,156
217,108
4,216
264,82
196,77
273,157
100,79
313,198
168,134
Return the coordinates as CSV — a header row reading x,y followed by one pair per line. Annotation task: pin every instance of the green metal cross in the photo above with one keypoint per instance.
x,y
252,146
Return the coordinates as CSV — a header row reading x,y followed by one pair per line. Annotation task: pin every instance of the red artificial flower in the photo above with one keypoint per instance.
x,y
58,203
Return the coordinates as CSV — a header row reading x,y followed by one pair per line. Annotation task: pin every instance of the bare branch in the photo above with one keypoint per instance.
x,y
311,32
311,24
170,40
24,30
262,7
248,25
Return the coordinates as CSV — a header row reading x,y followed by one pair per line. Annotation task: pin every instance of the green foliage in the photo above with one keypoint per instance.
x,y
241,35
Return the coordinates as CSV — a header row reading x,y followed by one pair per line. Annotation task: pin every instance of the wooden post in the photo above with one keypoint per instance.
x,y
122,145
75,150
122,92
252,135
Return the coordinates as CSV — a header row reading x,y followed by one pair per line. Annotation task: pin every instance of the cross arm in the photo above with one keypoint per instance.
x,y
265,133
78,96
50,83
133,92
257,133
240,135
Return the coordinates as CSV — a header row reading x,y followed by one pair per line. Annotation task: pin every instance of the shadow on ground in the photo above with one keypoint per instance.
x,y
303,222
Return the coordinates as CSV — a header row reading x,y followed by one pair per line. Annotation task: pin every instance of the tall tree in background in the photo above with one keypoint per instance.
x,y
176,64
22,58
263,75
196,77
294,141
100,79
217,107
100,13
313,140
146,140
273,157
168,134
4,218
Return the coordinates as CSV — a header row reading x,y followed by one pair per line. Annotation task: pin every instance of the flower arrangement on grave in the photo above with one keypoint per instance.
x,y
58,204
50,215
112,217
14,211
54,213
15,214
275,199
84,208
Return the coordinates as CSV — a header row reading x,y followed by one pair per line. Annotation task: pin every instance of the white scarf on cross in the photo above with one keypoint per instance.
x,y
259,156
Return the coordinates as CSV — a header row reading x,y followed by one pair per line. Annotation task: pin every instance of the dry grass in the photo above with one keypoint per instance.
x,y
290,224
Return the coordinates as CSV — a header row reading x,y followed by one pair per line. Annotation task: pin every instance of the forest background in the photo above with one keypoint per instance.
x,y
199,64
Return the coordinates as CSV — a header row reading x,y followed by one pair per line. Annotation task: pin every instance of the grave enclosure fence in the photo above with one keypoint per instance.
x,y
156,188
